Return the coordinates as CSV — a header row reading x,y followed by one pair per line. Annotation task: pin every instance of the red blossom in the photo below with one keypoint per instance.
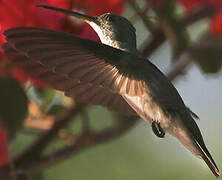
x,y
216,25
21,13
25,13
190,4
3,147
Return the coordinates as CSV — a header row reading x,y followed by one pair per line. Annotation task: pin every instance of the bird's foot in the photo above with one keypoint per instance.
x,y
157,129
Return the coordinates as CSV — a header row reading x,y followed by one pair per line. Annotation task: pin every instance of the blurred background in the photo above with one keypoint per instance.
x,y
172,35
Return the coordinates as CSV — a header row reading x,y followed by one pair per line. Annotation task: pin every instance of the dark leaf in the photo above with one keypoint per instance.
x,y
13,104
4,175
56,109
38,176
208,53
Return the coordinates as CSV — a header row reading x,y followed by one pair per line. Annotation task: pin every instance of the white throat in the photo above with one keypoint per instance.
x,y
106,39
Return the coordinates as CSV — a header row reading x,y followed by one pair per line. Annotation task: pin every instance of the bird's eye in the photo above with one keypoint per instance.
x,y
110,18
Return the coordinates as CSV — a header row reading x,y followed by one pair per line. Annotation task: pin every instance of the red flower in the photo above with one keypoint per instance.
x,y
3,147
20,13
216,25
25,13
190,4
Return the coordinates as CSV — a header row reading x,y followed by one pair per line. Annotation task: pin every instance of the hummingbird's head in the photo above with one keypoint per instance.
x,y
112,29
115,30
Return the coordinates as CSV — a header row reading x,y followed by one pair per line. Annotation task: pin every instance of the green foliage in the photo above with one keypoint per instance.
x,y
56,109
45,95
4,175
13,104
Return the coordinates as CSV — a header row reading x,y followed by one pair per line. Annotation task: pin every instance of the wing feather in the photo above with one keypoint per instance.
x,y
81,91
94,65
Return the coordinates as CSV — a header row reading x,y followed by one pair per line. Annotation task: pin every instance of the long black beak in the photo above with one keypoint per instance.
x,y
83,17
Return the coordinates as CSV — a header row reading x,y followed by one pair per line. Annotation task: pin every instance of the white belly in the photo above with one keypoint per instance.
x,y
148,110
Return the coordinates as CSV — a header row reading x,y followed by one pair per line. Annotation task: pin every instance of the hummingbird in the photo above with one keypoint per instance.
x,y
111,73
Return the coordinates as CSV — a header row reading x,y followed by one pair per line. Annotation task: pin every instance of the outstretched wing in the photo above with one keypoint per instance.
x,y
88,71
62,61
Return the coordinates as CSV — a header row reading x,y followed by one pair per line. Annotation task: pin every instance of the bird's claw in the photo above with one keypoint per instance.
x,y
157,129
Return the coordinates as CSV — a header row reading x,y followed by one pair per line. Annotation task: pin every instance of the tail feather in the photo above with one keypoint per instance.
x,y
203,151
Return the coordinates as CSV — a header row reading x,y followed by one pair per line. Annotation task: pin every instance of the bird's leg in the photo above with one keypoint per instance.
x,y
157,129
